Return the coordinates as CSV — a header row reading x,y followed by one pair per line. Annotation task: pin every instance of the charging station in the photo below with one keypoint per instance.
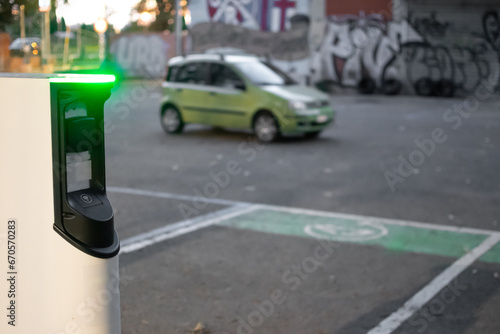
x,y
58,245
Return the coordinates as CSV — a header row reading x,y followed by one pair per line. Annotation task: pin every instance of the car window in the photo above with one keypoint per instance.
x,y
172,73
193,73
223,76
263,73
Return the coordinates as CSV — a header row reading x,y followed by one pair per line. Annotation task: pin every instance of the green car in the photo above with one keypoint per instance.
x,y
240,92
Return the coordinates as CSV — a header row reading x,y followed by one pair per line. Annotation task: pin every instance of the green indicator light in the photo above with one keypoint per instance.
x,y
84,79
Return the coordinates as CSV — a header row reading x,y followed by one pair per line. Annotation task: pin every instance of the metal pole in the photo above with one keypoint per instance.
x,y
66,48
79,42
102,46
107,45
47,35
44,44
23,27
178,28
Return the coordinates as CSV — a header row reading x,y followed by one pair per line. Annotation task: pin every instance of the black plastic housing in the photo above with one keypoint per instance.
x,y
83,217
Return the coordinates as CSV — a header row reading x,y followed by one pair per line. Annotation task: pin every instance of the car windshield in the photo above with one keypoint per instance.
x,y
260,73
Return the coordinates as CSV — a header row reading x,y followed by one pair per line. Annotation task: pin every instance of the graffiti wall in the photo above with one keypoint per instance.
x,y
143,55
386,46
265,15
430,53
454,54
358,49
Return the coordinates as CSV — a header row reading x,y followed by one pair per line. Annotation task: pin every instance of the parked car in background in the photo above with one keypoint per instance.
x,y
20,46
242,92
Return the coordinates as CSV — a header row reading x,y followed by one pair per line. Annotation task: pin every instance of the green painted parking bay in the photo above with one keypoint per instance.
x,y
367,231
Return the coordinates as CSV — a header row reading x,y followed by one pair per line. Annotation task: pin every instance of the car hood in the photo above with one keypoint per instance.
x,y
296,92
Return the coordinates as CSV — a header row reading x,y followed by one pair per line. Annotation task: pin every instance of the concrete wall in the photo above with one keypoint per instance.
x,y
143,55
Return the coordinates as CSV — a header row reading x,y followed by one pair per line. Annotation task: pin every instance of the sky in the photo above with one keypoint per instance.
x,y
88,11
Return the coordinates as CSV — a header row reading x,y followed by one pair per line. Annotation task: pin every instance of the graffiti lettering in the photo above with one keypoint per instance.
x,y
431,27
366,52
464,67
359,49
233,12
491,27
141,55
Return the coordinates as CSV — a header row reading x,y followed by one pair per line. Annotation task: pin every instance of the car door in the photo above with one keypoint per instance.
x,y
190,89
227,94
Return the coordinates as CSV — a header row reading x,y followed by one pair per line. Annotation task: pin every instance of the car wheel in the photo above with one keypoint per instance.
x,y
313,134
171,120
266,127
425,87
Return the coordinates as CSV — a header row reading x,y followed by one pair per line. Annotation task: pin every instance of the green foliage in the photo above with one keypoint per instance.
x,y
10,21
5,14
165,17
63,24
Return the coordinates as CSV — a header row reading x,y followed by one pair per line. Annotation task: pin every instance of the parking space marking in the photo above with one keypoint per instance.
x,y
174,230
430,226
391,323
158,194
493,255
395,238
482,241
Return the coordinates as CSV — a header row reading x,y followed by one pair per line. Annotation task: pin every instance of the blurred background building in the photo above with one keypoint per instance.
x,y
427,47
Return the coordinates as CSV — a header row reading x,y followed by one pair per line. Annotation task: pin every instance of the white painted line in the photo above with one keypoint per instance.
x,y
427,226
158,194
174,230
422,297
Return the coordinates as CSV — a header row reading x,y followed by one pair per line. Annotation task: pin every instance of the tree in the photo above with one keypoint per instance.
x,y
6,16
165,16
9,16
164,11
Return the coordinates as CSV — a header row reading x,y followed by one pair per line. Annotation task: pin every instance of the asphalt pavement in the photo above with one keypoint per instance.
x,y
387,223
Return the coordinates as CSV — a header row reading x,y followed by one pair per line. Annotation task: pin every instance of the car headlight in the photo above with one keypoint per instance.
x,y
302,109
297,105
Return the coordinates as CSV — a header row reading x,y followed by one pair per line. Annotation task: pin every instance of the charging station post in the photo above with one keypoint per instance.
x,y
59,272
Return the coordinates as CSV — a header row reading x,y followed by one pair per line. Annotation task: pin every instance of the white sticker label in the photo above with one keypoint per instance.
x,y
11,272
